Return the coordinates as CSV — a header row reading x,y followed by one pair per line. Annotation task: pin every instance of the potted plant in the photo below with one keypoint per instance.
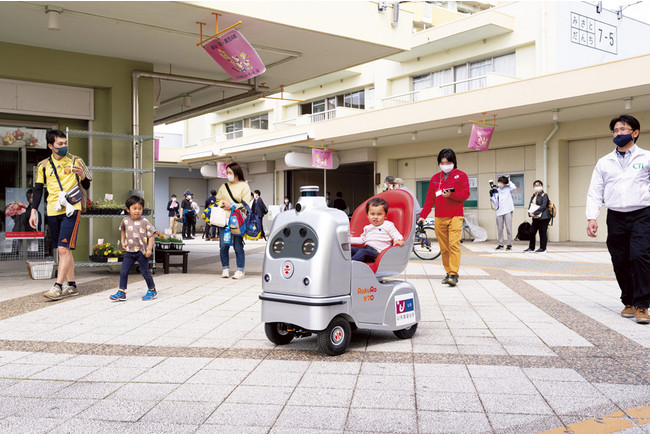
x,y
163,243
102,253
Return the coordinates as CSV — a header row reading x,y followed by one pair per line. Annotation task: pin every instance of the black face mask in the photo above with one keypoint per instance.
x,y
622,140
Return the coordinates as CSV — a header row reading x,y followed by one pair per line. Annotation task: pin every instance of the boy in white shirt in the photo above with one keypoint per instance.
x,y
378,235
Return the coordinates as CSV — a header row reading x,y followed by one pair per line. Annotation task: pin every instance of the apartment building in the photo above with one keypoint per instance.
x,y
553,74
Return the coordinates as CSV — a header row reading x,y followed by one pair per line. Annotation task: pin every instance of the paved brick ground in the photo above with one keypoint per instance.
x,y
525,343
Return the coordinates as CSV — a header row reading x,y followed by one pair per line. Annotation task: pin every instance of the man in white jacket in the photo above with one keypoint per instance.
x,y
621,181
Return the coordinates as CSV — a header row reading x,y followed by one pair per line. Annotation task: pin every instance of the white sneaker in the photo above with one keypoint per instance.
x,y
225,273
69,291
53,294
238,275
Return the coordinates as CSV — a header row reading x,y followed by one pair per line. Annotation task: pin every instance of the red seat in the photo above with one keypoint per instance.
x,y
400,213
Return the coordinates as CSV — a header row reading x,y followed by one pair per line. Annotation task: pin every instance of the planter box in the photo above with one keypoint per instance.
x,y
105,259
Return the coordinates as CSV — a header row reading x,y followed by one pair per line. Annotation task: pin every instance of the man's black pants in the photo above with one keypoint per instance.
x,y
628,241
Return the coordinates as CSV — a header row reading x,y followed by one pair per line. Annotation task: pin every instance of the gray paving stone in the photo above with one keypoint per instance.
x,y
165,375
553,374
435,370
321,397
568,388
515,404
10,356
143,427
452,422
45,359
387,369
378,420
137,361
200,392
312,417
28,425
244,415
61,372
211,376
339,368
239,429
328,381
177,412
581,405
18,370
85,426
34,388
487,371
447,401
445,384
276,366
117,410
54,408
233,364
114,373
512,386
144,391
280,379
87,390
260,395
386,399
89,360
523,424
396,382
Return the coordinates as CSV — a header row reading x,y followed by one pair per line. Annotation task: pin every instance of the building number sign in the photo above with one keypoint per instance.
x,y
593,33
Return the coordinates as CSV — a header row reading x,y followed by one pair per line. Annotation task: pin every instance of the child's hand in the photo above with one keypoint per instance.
x,y
147,253
398,243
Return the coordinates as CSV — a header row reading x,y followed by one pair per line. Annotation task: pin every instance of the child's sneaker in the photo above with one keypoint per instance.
x,y
119,296
150,295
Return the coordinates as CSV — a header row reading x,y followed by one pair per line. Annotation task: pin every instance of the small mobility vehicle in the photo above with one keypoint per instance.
x,y
310,284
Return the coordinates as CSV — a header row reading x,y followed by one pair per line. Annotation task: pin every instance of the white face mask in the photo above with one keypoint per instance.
x,y
231,178
286,201
173,199
447,167
538,189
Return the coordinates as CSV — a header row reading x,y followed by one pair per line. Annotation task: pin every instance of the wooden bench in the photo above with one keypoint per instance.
x,y
163,256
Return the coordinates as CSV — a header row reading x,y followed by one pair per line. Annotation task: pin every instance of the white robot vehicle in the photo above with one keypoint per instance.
x,y
310,284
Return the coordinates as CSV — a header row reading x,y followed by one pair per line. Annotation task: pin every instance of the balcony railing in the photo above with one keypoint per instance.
x,y
317,117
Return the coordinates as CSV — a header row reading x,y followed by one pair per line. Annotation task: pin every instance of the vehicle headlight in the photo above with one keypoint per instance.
x,y
278,245
308,247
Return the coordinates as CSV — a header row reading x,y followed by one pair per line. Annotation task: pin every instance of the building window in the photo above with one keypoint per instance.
x,y
355,99
472,200
235,129
518,195
466,76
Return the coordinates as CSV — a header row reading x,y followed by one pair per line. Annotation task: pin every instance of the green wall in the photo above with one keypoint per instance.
x,y
111,80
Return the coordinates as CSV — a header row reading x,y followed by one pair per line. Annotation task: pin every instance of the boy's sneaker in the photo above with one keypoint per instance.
x,y
628,312
69,291
453,280
225,273
499,247
118,296
238,275
509,247
445,279
54,293
150,295
642,316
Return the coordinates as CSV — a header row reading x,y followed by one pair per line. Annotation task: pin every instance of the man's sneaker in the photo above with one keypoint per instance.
x,y
629,311
445,279
540,250
225,273
69,291
528,250
499,247
238,275
509,247
54,293
118,296
453,280
150,295
642,316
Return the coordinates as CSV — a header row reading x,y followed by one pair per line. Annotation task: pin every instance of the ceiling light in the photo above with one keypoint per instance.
x,y
628,104
187,100
414,135
556,115
460,129
53,14
374,142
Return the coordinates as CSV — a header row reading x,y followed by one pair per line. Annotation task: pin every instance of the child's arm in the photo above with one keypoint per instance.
x,y
395,235
360,240
149,247
123,238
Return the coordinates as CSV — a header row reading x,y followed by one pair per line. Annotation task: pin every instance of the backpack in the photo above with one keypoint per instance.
x,y
253,223
523,231
84,193
552,209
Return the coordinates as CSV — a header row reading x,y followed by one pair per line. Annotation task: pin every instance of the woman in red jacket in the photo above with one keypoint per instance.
x,y
448,191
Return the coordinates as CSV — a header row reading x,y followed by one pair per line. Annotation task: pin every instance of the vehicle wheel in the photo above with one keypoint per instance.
x,y
406,333
335,338
425,244
277,333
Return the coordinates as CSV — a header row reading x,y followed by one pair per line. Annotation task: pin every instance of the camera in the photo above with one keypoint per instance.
x,y
493,187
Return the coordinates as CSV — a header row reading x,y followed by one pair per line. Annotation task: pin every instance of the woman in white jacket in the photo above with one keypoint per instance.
x,y
502,198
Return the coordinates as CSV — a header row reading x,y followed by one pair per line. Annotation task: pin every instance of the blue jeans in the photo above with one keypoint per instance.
x,y
238,244
364,254
129,259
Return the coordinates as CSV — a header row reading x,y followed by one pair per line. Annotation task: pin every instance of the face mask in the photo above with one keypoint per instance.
x,y
62,151
231,178
447,167
622,140
538,189
286,201
173,199
501,185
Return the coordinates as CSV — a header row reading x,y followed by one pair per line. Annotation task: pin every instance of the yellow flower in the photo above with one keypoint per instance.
x,y
105,253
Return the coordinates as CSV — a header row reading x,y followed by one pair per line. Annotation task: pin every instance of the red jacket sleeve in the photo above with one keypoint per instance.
x,y
462,192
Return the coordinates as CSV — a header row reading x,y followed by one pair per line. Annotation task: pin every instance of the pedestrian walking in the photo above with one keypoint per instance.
x,y
539,211
210,231
187,214
259,209
61,174
172,213
621,182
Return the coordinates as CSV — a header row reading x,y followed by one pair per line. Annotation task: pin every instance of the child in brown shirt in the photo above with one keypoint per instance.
x,y
137,241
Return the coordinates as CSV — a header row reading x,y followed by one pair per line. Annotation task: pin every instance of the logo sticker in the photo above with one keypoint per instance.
x,y
404,309
637,166
287,269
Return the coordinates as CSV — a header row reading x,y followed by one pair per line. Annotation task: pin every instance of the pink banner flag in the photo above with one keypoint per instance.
x,y
156,149
480,138
235,55
321,158
221,170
